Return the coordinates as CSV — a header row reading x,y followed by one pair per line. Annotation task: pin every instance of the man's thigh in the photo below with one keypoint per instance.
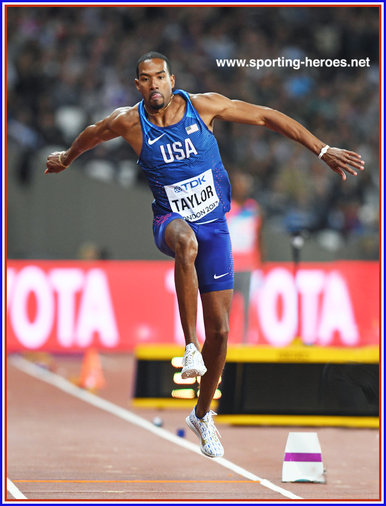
x,y
165,229
214,262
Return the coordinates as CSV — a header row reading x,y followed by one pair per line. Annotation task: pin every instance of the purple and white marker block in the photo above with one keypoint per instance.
x,y
303,459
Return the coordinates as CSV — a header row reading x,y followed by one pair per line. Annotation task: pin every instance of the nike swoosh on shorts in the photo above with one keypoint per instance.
x,y
220,276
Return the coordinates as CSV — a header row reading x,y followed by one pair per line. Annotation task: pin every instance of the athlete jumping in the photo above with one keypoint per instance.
x,y
172,134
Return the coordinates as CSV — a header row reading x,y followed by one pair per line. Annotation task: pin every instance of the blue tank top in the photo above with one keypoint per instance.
x,y
183,167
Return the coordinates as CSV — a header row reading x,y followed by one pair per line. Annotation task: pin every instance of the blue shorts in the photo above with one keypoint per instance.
x,y
214,262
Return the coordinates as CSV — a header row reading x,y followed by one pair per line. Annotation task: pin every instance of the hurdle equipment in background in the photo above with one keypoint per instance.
x,y
303,385
303,459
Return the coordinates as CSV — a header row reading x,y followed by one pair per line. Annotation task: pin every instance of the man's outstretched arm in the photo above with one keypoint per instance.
x,y
213,105
102,131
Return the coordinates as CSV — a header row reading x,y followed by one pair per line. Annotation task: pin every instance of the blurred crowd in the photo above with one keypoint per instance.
x,y
68,67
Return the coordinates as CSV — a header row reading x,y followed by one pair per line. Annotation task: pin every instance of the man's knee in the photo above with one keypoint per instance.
x,y
182,240
218,335
186,247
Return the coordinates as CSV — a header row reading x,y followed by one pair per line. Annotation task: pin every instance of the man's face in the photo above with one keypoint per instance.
x,y
154,83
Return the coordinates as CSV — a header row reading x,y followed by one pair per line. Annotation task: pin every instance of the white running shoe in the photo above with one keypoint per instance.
x,y
192,363
205,429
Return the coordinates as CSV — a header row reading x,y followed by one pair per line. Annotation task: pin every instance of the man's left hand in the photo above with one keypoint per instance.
x,y
342,161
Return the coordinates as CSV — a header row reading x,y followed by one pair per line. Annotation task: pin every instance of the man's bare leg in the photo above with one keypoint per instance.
x,y
216,308
181,239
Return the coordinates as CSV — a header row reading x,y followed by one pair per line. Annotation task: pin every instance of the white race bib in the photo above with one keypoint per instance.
x,y
193,198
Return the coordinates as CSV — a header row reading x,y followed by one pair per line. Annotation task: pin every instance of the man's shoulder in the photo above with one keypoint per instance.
x,y
125,116
209,101
126,113
209,96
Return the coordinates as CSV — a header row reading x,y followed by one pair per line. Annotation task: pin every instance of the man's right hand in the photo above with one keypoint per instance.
x,y
55,162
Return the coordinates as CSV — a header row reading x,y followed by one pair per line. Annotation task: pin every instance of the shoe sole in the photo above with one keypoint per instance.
x,y
192,373
197,432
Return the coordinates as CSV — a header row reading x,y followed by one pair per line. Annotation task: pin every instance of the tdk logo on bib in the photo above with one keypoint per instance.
x,y
178,150
193,198
190,184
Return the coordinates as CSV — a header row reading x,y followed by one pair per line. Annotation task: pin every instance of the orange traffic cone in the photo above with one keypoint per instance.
x,y
91,375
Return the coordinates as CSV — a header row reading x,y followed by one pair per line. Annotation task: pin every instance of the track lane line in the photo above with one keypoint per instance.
x,y
133,481
14,491
64,385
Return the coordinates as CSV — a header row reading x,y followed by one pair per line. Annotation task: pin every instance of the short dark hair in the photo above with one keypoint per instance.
x,y
149,56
